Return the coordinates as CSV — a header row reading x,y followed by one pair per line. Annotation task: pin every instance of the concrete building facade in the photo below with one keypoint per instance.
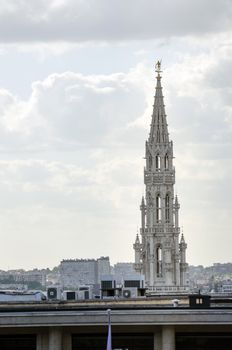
x,y
121,270
136,325
76,272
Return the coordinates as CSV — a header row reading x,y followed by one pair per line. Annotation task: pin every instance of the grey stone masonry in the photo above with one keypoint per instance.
x,y
159,253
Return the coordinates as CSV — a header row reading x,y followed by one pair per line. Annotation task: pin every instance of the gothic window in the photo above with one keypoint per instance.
x,y
158,135
149,162
157,162
158,208
159,259
167,208
166,161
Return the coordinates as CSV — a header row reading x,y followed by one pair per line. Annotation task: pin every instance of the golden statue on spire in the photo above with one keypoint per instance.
x,y
158,67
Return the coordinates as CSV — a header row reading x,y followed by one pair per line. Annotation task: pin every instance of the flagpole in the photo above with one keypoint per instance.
x,y
109,339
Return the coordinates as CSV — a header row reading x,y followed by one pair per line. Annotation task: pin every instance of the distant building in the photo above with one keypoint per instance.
x,y
226,287
17,278
53,278
122,270
76,272
211,278
32,276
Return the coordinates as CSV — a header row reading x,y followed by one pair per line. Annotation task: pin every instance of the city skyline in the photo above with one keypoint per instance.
x,y
77,81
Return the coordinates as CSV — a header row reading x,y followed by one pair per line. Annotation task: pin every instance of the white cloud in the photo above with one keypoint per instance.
x,y
72,109
87,186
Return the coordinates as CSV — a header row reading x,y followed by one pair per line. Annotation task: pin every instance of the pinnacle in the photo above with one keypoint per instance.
x,y
137,241
182,240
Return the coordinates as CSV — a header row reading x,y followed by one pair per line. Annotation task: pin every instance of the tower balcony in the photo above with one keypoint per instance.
x,y
148,231
162,177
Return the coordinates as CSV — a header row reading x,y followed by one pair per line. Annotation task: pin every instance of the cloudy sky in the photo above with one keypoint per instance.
x,y
76,92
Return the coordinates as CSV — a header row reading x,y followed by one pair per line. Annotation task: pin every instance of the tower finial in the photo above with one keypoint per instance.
x,y
182,240
158,68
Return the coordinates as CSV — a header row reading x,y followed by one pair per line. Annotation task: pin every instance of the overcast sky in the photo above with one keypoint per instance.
x,y
77,83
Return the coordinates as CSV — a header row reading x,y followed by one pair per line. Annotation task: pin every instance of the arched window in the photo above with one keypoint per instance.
x,y
167,208
149,162
158,208
166,165
158,135
157,162
159,259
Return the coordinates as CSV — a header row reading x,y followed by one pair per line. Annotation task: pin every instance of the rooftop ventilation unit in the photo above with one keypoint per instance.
x,y
130,293
53,293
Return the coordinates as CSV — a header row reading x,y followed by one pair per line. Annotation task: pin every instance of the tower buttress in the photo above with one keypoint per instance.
x,y
176,212
143,213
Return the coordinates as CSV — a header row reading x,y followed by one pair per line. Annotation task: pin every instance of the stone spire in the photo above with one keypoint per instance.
x,y
160,254
159,127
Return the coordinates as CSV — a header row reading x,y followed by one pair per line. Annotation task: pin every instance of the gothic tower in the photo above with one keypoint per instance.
x,y
159,254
